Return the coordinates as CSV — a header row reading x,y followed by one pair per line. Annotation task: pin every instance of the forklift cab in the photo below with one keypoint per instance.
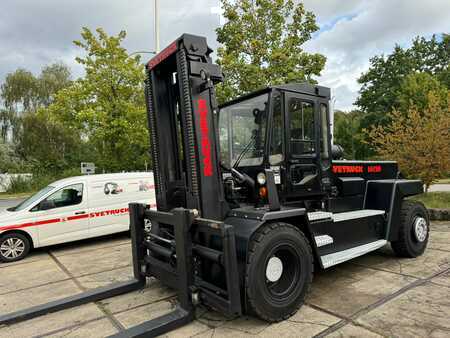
x,y
283,128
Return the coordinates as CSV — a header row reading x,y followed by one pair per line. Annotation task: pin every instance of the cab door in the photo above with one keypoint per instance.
x,y
302,126
62,216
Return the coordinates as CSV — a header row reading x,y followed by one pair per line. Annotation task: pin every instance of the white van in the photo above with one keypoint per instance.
x,y
72,209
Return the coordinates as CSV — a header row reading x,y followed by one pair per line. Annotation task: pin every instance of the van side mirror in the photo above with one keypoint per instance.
x,y
46,205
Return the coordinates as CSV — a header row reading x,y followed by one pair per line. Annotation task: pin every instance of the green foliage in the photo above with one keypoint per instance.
x,y
107,106
23,93
38,181
48,146
415,88
348,133
261,45
9,162
381,84
436,200
419,140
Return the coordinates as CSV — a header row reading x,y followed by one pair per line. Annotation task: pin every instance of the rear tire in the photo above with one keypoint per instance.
x,y
279,271
13,247
413,231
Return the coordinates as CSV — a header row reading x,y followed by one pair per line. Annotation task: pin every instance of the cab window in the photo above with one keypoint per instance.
x,y
67,196
301,116
276,146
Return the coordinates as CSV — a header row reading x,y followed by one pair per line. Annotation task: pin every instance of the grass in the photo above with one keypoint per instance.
x,y
443,181
7,196
435,200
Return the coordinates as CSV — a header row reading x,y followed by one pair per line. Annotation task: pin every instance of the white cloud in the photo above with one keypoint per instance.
x,y
35,33
372,28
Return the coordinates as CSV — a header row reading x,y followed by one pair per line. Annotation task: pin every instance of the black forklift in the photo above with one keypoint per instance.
x,y
251,197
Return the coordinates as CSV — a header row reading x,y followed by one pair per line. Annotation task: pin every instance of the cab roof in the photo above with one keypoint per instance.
x,y
301,88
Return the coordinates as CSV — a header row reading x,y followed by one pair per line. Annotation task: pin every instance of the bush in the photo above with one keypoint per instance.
x,y
38,181
19,184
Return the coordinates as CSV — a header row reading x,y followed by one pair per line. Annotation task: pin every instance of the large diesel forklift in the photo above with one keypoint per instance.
x,y
250,197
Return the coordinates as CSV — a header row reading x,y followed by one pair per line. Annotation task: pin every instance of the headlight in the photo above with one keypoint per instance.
x,y
261,178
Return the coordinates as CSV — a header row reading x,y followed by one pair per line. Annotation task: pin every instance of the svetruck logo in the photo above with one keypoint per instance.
x,y
205,141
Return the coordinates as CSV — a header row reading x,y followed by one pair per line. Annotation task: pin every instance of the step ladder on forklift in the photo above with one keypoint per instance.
x,y
325,240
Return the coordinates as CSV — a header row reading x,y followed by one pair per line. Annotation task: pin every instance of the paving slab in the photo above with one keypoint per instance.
x,y
307,322
440,239
106,277
348,288
33,256
97,328
89,262
91,244
442,279
23,299
426,265
153,292
30,274
54,322
353,331
423,311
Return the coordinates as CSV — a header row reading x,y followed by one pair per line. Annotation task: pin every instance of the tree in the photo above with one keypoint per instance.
x,y
48,146
418,140
22,92
348,133
380,85
107,106
415,88
261,45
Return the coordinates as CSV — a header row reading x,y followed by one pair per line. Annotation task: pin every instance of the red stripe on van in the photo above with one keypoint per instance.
x,y
69,218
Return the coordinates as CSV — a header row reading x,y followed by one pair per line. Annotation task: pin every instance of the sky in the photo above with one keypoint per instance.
x,y
36,33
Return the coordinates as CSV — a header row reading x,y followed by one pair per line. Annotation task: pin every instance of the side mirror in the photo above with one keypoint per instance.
x,y
46,205
337,152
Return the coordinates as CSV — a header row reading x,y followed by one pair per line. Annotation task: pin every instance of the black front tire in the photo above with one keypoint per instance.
x,y
14,247
274,301
410,242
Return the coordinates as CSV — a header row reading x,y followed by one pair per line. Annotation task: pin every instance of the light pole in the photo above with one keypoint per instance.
x,y
156,26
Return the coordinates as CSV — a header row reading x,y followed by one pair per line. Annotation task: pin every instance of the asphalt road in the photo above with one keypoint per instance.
x,y
7,203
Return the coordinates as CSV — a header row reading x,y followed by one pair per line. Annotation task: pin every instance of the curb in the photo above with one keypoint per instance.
x,y
439,214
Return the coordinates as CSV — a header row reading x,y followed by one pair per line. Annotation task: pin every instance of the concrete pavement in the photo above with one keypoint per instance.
x,y
439,187
377,295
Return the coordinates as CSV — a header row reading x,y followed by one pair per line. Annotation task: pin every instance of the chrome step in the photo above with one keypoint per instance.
x,y
318,215
344,216
345,255
323,240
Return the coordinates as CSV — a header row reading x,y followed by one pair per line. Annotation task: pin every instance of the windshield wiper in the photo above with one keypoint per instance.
x,y
245,150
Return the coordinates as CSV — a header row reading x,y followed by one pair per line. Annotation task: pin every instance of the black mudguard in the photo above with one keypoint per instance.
x,y
388,195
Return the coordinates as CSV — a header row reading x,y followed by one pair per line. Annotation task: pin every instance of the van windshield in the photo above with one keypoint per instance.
x,y
32,199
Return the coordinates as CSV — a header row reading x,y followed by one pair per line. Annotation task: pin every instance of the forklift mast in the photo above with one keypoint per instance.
x,y
182,118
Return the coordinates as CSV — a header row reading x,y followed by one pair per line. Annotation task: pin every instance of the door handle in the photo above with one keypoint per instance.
x,y
80,212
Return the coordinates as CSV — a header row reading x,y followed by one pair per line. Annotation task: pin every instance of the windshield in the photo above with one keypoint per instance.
x,y
242,129
32,199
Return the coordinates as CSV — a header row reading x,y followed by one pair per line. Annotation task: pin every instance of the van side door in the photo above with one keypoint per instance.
x,y
62,216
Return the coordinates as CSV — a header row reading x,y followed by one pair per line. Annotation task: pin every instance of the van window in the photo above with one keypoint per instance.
x,y
67,196
32,199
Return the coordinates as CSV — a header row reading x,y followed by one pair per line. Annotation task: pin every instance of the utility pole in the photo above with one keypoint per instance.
x,y
156,26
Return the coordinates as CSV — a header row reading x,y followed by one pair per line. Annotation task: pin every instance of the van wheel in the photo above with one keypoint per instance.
x,y
279,271
13,247
413,231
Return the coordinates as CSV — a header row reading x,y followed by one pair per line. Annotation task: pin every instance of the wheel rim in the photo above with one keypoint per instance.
x,y
420,228
283,267
12,248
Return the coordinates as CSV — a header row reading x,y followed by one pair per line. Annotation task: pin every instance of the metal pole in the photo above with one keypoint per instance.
x,y
156,26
